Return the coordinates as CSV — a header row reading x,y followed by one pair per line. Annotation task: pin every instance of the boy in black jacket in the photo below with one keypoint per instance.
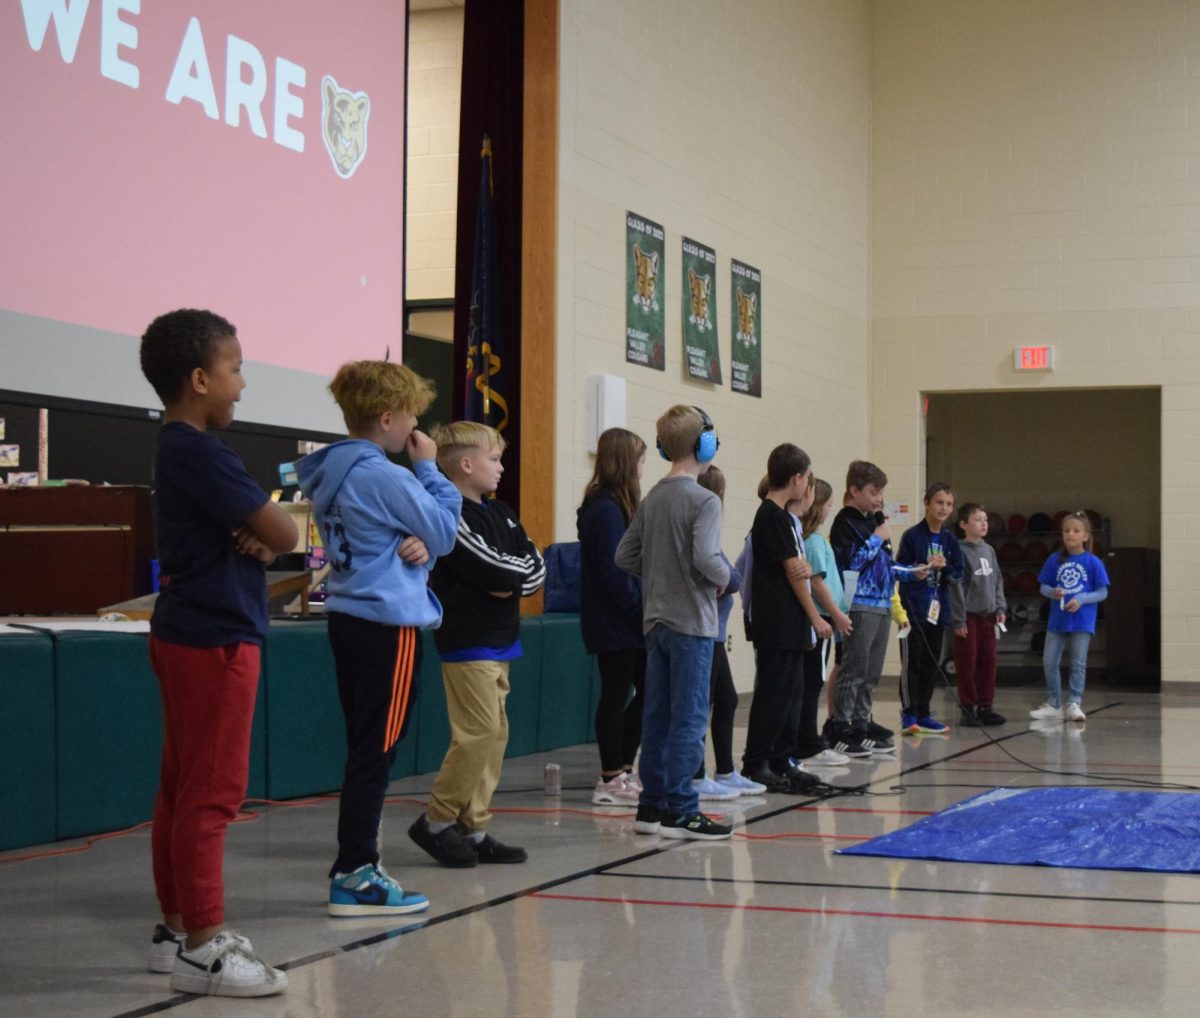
x,y
479,584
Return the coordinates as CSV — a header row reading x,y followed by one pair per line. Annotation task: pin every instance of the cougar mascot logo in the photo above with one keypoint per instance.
x,y
747,304
699,285
344,126
645,267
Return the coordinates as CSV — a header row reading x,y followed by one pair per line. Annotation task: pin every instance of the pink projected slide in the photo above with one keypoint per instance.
x,y
242,156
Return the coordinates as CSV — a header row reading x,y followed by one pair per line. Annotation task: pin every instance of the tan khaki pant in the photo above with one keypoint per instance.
x,y
475,695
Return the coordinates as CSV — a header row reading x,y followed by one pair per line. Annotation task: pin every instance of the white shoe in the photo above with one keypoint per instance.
x,y
633,781
164,945
1073,712
712,791
826,758
739,783
613,793
225,966
1047,713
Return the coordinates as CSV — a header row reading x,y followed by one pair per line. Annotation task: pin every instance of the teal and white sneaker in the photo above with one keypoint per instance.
x,y
369,891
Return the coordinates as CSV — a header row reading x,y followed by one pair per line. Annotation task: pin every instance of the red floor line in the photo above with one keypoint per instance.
x,y
872,915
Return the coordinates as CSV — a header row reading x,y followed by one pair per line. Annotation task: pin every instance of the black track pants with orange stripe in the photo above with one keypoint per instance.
x,y
377,669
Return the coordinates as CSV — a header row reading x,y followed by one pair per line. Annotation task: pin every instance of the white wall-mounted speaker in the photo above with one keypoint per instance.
x,y
605,406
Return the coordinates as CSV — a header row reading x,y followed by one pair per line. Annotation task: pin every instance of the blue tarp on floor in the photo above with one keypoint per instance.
x,y
1088,828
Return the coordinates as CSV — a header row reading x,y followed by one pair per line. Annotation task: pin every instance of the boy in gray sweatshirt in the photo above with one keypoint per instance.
x,y
977,607
674,544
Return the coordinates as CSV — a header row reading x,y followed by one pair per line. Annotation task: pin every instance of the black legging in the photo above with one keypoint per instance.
x,y
618,718
724,700
808,741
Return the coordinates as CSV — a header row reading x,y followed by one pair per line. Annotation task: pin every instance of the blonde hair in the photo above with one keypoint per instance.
x,y
366,390
822,493
459,437
678,429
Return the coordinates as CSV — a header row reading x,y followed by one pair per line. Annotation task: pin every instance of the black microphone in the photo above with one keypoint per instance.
x,y
880,520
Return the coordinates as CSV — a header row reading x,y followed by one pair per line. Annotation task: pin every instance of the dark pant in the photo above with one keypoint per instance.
x,y
975,662
919,657
377,669
778,684
724,700
618,718
806,740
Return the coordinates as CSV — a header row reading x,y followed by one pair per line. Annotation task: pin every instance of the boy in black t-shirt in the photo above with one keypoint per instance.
x,y
780,629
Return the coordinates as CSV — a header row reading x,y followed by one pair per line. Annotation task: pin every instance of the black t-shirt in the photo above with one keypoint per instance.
x,y
212,595
778,621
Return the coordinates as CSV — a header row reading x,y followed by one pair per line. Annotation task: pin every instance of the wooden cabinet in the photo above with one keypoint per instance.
x,y
74,549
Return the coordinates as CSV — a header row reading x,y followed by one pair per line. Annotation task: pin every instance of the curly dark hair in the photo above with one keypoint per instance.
x,y
177,343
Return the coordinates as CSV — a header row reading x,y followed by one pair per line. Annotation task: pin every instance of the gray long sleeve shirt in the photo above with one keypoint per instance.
x,y
981,590
674,544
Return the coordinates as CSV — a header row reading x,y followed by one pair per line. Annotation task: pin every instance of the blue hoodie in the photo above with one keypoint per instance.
x,y
366,506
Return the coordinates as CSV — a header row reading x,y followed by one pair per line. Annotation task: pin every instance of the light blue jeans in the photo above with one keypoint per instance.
x,y
1056,643
674,718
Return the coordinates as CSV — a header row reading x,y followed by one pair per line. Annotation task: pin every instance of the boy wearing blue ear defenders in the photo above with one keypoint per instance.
x,y
674,544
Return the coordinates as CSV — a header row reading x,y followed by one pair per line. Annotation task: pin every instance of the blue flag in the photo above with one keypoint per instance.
x,y
485,383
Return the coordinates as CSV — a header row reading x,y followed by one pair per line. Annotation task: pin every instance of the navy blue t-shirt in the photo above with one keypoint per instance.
x,y
211,594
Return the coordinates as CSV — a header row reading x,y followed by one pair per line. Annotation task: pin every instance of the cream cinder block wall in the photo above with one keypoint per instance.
x,y
434,94
744,127
1036,179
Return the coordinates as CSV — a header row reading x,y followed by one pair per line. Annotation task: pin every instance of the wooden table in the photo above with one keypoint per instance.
x,y
278,585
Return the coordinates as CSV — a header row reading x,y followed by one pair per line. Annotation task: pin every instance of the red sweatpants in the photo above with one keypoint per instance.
x,y
208,698
975,662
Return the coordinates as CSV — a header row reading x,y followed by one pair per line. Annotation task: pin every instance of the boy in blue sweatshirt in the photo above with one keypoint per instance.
x,y
382,525
862,544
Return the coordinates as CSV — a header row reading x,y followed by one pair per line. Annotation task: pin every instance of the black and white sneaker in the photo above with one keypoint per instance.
x,y
877,733
695,826
849,743
882,747
648,820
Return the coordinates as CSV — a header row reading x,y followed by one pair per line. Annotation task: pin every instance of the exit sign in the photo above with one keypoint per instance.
x,y
1033,358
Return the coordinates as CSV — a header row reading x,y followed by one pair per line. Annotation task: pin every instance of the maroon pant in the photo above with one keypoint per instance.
x,y
975,662
208,698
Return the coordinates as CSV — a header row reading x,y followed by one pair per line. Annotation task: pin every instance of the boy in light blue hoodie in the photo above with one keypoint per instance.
x,y
382,526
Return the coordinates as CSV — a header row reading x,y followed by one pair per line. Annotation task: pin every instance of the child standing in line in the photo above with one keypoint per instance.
x,y
977,607
215,529
862,543
782,623
726,783
932,564
674,544
610,611
381,523
1076,581
480,584
829,594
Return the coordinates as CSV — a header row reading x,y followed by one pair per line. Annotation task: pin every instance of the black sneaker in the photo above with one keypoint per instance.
x,y
765,776
848,743
878,733
648,820
989,717
448,846
695,826
491,850
969,717
881,746
799,781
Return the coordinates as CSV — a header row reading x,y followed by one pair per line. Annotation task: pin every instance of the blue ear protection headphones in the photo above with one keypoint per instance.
x,y
707,442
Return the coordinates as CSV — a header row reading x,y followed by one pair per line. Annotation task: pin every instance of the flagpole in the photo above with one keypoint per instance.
x,y
484,349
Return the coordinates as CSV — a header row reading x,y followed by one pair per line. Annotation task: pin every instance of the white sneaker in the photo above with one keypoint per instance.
x,y
1047,713
739,783
614,793
633,781
826,758
225,966
1073,712
712,791
164,945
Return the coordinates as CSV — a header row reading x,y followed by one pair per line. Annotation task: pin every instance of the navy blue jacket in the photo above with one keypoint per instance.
x,y
610,600
916,594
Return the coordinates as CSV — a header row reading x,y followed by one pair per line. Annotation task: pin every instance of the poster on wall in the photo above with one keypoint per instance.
x,y
700,351
645,317
745,361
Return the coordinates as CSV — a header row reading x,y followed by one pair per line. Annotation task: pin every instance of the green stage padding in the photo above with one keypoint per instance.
x,y
27,787
567,711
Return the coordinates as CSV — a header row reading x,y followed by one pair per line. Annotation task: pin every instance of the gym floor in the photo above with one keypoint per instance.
x,y
602,921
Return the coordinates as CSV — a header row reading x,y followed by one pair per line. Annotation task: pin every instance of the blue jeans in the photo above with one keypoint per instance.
x,y
1056,643
674,718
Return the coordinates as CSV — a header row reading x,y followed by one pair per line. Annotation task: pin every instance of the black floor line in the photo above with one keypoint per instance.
x,y
825,885
378,938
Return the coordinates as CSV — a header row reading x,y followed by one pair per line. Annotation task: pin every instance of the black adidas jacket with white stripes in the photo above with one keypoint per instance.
x,y
492,553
